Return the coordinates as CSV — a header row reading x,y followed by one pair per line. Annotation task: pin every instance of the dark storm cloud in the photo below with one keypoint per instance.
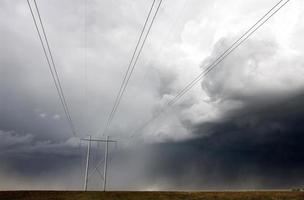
x,y
27,162
256,147
256,140
31,155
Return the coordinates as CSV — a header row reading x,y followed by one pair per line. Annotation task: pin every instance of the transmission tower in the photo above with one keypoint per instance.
x,y
105,161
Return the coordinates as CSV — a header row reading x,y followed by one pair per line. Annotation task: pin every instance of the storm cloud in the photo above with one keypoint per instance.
x,y
240,128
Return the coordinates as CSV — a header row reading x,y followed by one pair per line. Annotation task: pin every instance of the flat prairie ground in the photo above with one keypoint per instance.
x,y
77,195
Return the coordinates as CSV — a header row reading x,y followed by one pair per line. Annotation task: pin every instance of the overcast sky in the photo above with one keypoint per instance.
x,y
240,127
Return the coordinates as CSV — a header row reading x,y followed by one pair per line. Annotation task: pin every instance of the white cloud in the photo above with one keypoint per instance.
x,y
56,117
42,115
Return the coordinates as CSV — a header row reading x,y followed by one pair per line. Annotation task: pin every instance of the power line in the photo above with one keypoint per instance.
x,y
140,51
131,67
211,66
55,70
227,52
85,48
51,65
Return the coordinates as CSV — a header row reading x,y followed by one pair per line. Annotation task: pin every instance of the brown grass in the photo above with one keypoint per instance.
x,y
77,195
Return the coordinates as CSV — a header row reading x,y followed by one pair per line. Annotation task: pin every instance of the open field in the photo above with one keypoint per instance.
x,y
77,195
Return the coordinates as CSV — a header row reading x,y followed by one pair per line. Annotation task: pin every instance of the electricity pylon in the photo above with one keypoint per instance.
x,y
86,178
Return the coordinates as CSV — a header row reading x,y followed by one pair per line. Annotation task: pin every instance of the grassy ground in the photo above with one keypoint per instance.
x,y
75,195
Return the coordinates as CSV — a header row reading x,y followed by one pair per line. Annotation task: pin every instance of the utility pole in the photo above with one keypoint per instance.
x,y
89,140
87,165
105,165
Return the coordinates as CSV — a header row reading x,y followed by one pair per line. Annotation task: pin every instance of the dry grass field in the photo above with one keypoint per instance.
x,y
77,195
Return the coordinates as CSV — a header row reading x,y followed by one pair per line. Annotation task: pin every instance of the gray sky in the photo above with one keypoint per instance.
x,y
251,101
